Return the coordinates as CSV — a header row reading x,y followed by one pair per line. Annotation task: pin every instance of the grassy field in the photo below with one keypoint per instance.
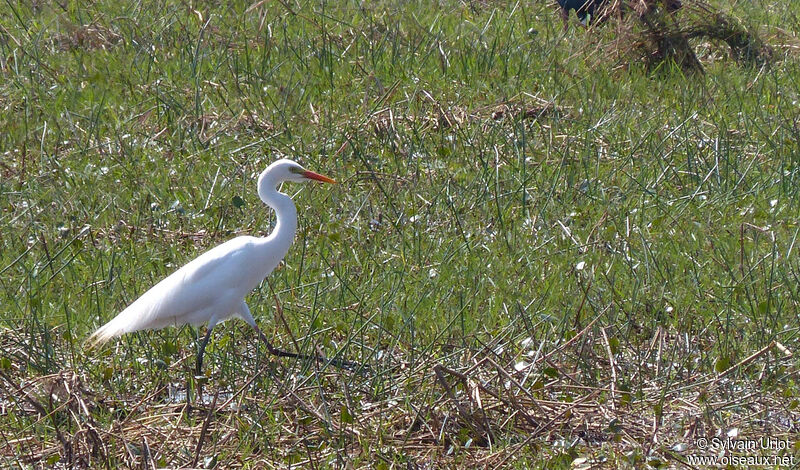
x,y
549,257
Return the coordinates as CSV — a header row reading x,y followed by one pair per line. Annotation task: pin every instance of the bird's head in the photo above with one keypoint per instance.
x,y
288,170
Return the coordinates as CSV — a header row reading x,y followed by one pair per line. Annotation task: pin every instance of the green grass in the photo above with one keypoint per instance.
x,y
652,219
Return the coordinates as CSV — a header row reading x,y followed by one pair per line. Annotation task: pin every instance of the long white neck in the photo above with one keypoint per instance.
x,y
286,214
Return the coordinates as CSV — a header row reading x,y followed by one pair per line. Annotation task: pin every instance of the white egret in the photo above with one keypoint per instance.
x,y
211,288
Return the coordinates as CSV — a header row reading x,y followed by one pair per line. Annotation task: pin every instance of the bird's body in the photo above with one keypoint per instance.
x,y
207,289
583,8
211,288
594,9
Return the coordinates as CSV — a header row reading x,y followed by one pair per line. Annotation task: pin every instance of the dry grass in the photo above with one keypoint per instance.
x,y
654,36
483,407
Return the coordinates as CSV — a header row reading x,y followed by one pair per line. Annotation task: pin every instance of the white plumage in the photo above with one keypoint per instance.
x,y
211,288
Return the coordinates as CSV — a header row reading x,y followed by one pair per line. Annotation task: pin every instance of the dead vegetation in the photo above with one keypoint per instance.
x,y
592,401
438,114
87,37
650,33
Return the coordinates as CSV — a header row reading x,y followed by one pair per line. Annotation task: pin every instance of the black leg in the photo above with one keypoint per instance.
x,y
199,369
342,364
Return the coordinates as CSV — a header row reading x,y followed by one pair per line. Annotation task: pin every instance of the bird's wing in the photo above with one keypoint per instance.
x,y
208,285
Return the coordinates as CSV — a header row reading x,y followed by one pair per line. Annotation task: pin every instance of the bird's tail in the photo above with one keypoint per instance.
x,y
106,332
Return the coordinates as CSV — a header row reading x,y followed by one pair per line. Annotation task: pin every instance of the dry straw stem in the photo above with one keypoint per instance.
x,y
577,391
647,33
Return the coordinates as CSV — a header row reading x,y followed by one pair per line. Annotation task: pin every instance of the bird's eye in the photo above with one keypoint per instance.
x,y
295,169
